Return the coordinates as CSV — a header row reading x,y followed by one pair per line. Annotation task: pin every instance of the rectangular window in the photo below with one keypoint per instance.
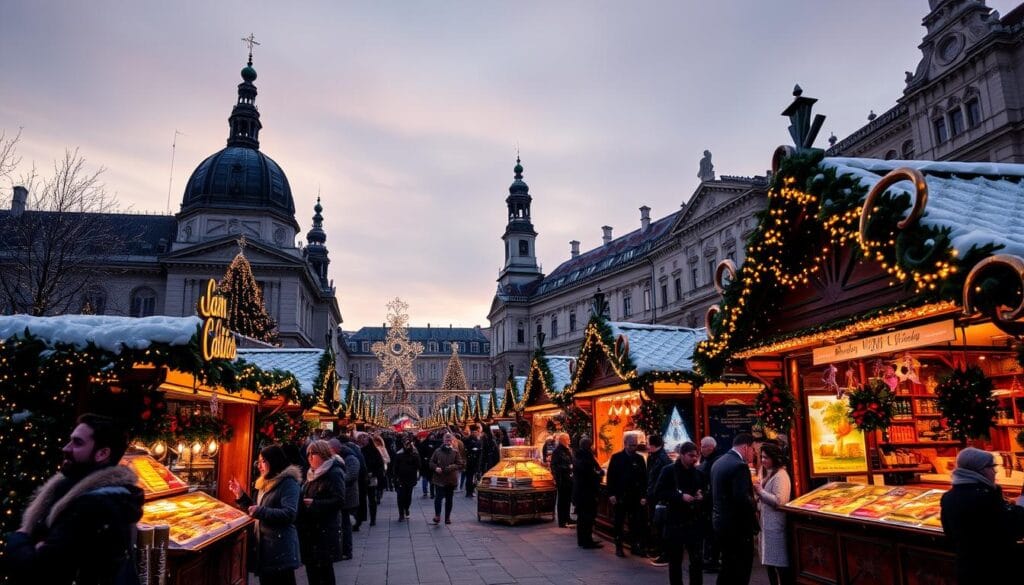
x,y
940,130
956,122
366,346
572,321
711,271
554,326
520,334
695,275
679,288
627,306
352,346
487,348
476,371
731,255
447,347
664,296
647,299
524,248
475,346
973,108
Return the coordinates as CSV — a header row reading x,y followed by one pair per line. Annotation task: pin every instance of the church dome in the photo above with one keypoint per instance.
x,y
239,177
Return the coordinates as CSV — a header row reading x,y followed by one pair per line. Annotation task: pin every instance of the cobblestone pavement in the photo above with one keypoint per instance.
x,y
468,552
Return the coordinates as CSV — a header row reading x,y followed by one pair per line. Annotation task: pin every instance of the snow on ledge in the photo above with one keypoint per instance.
x,y
106,332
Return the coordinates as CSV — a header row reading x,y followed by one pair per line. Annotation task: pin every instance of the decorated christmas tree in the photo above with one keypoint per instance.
x,y
675,433
454,376
246,313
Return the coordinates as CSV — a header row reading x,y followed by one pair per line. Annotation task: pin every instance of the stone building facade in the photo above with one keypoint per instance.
x,y
237,197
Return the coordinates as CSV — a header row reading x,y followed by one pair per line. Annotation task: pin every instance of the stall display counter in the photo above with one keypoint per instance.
x,y
206,537
842,532
518,488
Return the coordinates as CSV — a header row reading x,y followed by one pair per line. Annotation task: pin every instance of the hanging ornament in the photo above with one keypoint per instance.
x,y
215,403
851,381
907,369
829,378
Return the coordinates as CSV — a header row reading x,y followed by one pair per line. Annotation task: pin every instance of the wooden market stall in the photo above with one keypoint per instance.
x,y
633,378
881,299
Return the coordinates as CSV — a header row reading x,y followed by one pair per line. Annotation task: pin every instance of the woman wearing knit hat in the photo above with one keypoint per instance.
x,y
982,526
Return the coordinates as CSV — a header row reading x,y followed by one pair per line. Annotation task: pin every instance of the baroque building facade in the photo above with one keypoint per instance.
x,y
963,101
660,272
236,198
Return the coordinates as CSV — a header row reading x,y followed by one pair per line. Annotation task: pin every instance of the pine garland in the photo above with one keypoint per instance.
x,y
650,417
966,401
776,407
871,405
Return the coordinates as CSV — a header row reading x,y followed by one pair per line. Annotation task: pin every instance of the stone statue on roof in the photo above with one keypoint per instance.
x,y
707,170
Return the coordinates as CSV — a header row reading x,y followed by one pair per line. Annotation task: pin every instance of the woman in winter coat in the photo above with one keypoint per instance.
x,y
275,509
382,481
375,471
773,490
407,467
323,496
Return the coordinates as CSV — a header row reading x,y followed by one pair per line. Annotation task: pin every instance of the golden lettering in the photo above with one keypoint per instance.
x,y
217,341
211,304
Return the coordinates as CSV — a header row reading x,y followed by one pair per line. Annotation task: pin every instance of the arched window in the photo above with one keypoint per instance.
x,y
907,150
891,154
143,302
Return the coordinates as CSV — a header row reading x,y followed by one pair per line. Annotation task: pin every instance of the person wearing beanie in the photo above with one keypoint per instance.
x,y
981,525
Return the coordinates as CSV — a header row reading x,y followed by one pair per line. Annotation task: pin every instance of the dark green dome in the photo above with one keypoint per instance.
x,y
249,74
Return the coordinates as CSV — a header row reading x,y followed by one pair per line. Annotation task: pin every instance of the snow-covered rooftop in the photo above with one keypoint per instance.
x,y
304,364
559,366
106,332
981,202
662,348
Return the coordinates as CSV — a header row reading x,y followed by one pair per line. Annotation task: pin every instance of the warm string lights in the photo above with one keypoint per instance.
x,y
813,213
247,315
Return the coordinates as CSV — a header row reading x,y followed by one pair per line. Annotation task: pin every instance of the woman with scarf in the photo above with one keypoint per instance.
x,y
982,526
323,495
382,481
277,503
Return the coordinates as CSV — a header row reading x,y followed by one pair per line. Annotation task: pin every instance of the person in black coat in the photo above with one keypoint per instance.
x,y
79,526
709,453
981,525
473,456
275,509
375,475
406,464
586,480
561,469
426,449
489,452
680,486
733,512
323,496
657,459
627,493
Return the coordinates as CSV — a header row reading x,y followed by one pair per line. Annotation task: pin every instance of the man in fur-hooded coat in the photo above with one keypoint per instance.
x,y
79,527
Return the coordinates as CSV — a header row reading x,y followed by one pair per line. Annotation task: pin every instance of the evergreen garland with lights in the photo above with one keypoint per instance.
x,y
965,399
871,405
282,427
650,417
572,420
776,407
808,202
247,314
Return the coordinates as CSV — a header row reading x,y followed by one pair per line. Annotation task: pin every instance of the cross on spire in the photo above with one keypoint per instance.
x,y
251,41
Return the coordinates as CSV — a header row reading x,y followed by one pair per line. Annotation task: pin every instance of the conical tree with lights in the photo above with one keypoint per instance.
x,y
247,314
454,376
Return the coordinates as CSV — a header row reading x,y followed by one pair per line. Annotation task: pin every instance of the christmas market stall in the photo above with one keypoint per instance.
x,y
548,376
881,300
632,378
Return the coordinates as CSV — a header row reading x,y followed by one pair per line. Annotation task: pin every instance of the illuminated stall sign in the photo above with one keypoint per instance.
x,y
891,342
217,341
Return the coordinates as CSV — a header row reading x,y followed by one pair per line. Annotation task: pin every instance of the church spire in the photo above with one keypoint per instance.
x,y
245,118
520,237
316,250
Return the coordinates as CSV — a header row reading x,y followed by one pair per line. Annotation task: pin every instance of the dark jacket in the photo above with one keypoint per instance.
x,y
319,523
655,463
586,480
733,510
627,476
451,463
426,450
374,462
85,530
684,521
352,469
489,452
277,506
561,464
983,529
473,453
406,464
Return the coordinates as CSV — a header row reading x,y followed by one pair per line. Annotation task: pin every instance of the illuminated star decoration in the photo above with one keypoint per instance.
x,y
396,353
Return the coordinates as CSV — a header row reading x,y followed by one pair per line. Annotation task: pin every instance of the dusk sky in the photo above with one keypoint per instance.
x,y
406,116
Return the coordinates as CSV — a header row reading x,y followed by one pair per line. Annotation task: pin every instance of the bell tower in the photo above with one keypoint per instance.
x,y
520,265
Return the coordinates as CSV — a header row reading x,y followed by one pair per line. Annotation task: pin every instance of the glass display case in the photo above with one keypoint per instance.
x,y
911,506
518,488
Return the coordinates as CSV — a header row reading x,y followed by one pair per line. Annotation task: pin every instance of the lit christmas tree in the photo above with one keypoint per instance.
x,y
246,313
454,376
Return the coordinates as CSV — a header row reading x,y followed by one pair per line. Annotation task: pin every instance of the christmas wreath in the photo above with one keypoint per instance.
x,y
280,427
650,417
775,407
966,401
871,405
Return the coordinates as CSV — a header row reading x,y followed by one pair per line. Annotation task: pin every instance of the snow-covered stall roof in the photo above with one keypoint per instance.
x,y
304,364
981,202
106,332
558,365
661,348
